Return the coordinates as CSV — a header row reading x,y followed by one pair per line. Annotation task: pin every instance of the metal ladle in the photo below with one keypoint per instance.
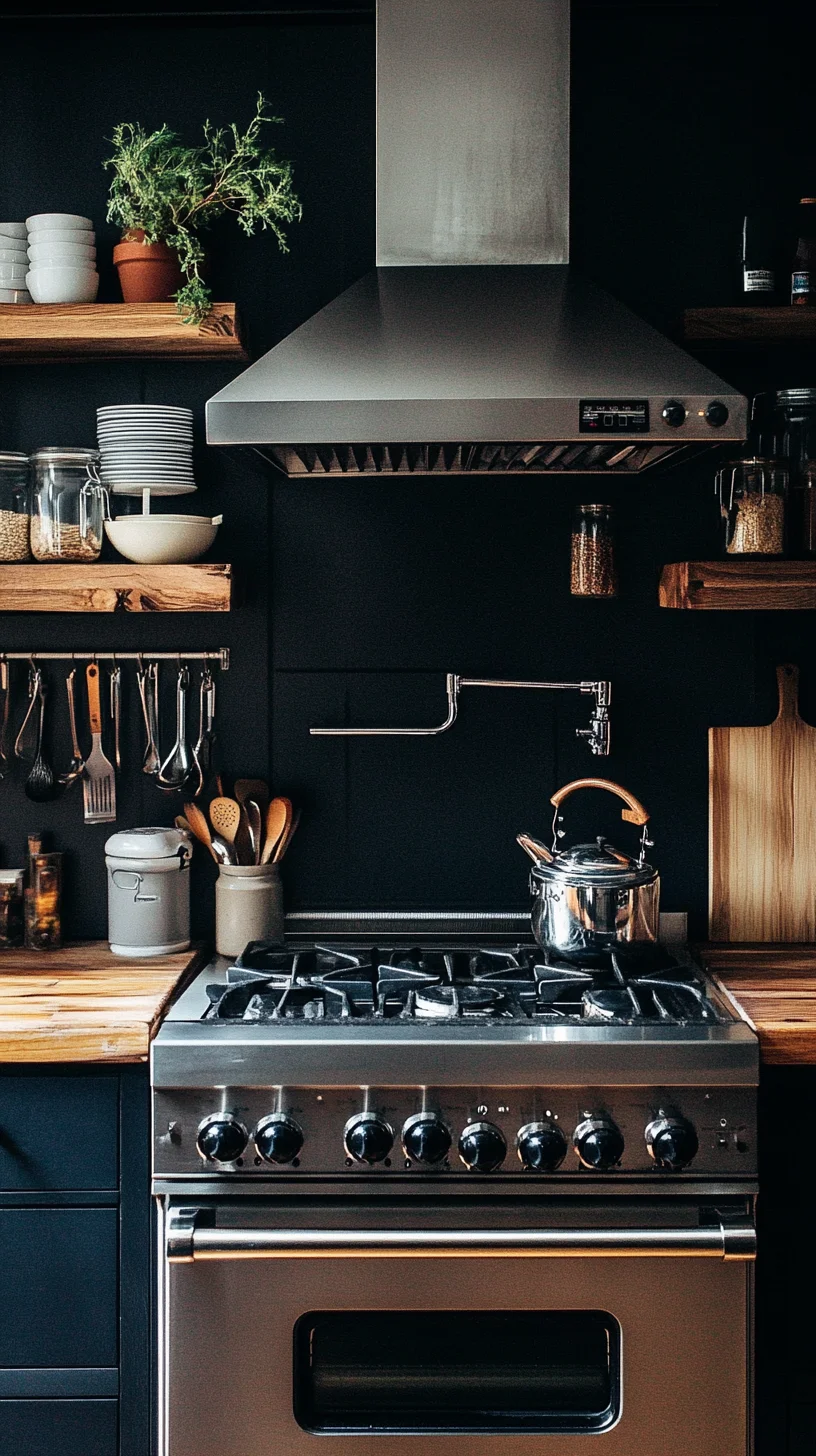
x,y
179,764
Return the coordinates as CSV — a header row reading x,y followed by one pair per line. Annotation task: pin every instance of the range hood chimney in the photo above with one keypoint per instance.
x,y
473,346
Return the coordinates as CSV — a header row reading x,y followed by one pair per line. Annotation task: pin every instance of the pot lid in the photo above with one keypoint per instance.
x,y
156,842
598,863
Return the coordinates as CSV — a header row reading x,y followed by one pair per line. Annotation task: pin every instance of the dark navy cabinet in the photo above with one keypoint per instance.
x,y
75,1251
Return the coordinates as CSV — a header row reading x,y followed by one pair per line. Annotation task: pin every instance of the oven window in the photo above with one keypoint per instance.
x,y
370,1372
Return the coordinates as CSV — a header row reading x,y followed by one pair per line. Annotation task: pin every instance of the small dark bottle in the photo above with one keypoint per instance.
x,y
803,271
759,244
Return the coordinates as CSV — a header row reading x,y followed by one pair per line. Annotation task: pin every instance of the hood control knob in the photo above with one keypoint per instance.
x,y
368,1138
542,1146
278,1139
425,1138
674,413
716,413
482,1147
221,1138
598,1143
672,1142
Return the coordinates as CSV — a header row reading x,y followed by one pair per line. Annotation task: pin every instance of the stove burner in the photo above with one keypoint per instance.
x,y
642,984
450,1001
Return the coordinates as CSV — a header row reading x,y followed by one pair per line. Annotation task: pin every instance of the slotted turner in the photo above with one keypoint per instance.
x,y
99,783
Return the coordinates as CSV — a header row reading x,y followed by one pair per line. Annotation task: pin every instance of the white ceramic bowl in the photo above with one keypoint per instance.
x,y
15,295
50,220
63,285
12,255
73,255
155,540
14,230
63,237
13,275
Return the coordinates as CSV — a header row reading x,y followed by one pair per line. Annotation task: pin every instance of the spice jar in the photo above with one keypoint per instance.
x,y
11,908
43,923
15,507
592,558
752,497
69,505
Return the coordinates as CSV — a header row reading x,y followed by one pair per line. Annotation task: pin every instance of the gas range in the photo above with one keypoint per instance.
x,y
396,1046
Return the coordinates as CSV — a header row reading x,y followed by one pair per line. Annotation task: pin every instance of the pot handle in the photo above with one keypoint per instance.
x,y
634,814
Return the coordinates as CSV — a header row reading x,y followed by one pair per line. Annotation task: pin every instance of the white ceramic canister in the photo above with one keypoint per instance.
x,y
248,906
148,891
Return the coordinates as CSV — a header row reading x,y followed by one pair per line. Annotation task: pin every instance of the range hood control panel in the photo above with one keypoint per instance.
x,y
614,416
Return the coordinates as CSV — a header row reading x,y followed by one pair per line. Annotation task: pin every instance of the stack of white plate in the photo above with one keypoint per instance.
x,y
62,258
146,447
13,262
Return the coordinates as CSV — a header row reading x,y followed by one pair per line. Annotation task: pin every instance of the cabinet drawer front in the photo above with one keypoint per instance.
x,y
58,1427
58,1132
58,1274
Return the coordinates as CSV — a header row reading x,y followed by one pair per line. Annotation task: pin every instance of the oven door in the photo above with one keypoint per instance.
x,y
413,1329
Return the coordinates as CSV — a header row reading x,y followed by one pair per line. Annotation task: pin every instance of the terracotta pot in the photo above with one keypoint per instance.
x,y
148,272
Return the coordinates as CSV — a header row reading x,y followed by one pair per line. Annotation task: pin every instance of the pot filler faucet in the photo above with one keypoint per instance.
x,y
597,734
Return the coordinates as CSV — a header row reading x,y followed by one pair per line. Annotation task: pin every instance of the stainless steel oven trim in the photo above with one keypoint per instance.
x,y
187,1243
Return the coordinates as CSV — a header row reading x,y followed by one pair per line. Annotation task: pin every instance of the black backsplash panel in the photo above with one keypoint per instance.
x,y
357,597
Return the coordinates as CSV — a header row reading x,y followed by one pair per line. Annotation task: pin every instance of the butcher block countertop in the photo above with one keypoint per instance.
x,y
774,989
83,1004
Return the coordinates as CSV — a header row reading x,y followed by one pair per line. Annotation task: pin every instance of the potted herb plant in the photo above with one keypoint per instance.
x,y
164,194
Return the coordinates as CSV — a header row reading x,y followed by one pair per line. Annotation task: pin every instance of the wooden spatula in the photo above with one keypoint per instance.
x,y
257,789
278,819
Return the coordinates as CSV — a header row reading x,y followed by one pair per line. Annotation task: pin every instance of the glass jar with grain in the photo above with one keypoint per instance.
x,y
592,554
15,506
753,495
68,505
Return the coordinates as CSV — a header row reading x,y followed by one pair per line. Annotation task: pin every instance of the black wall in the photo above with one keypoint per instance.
x,y
360,596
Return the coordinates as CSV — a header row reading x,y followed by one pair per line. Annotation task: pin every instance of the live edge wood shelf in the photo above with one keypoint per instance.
x,y
77,587
32,333
787,325
717,586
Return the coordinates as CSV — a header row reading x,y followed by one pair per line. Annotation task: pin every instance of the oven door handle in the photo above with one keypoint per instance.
x,y
190,1240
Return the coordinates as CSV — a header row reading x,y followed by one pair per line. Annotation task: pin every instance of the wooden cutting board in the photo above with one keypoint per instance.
x,y
762,826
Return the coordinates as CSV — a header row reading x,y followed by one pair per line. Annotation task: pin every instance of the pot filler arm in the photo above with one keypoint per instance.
x,y
597,734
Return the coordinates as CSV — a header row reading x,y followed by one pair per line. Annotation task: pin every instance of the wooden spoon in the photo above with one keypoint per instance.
x,y
257,789
278,819
286,839
198,824
225,818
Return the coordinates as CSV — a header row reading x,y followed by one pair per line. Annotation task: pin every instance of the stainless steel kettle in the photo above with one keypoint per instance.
x,y
591,897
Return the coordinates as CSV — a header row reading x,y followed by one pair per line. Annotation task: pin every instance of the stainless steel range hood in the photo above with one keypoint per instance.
x,y
473,346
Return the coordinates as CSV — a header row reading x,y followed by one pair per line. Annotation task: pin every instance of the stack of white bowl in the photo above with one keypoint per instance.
x,y
62,258
13,263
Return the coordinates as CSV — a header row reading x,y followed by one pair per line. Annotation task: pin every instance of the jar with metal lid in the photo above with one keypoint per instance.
x,y
753,495
592,553
69,505
15,506
796,439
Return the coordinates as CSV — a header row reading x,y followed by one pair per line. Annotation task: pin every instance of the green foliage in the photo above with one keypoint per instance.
x,y
173,192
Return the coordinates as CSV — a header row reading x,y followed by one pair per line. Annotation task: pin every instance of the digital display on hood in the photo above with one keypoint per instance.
x,y
613,416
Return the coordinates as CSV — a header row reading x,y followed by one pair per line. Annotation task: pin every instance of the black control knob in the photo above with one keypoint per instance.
x,y
425,1138
542,1146
598,1143
716,413
221,1138
674,413
368,1138
278,1138
482,1147
672,1142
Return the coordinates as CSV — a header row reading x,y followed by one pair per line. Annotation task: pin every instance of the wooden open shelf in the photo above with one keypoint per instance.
x,y
790,325
35,333
738,585
95,587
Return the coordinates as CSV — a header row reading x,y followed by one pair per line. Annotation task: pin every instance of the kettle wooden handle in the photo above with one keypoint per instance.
x,y
634,814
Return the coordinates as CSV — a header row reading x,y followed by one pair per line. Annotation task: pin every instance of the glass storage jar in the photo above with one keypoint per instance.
x,y
68,505
592,553
15,506
753,495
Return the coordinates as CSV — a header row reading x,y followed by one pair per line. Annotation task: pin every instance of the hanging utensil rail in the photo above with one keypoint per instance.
x,y
221,655
597,734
